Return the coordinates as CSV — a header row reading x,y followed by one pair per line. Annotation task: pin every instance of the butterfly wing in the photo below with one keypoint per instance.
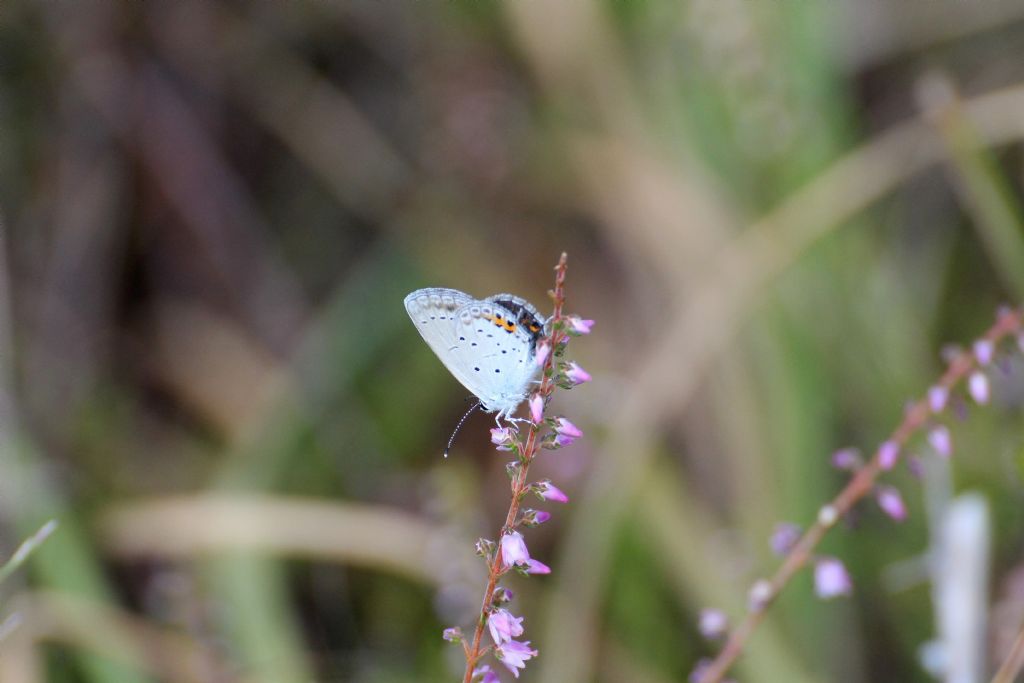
x,y
432,311
480,342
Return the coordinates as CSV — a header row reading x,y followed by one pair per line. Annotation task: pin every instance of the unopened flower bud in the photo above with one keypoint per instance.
x,y
484,547
891,502
536,408
978,386
984,350
937,397
712,623
831,578
785,537
542,353
941,440
533,518
760,595
548,491
847,459
888,454
577,325
576,374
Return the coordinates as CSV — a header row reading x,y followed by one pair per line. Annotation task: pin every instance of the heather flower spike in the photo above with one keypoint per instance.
x,y
548,340
831,578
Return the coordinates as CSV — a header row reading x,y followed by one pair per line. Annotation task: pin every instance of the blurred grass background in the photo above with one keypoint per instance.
x,y
778,212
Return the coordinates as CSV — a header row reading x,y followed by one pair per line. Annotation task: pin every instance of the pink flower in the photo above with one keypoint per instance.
x,y
536,408
578,325
536,567
978,386
513,549
514,655
983,351
566,432
548,491
891,502
712,623
937,397
888,454
452,634
576,374
504,626
485,675
535,517
566,428
542,353
831,579
785,537
503,438
941,441
846,459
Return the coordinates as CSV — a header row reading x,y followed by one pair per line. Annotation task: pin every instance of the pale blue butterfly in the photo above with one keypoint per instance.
x,y
488,345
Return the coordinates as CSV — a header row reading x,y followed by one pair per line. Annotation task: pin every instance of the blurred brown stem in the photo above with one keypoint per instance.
x,y
861,484
1014,662
495,569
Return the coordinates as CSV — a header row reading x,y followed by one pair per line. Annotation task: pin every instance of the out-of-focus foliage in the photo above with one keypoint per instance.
x,y
778,212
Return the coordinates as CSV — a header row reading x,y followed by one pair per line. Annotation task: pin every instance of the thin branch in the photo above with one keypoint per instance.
x,y
914,419
495,568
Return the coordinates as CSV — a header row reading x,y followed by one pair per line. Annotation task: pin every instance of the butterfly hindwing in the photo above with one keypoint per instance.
x,y
484,344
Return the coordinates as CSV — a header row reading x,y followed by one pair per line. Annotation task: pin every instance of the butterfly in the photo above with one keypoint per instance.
x,y
489,345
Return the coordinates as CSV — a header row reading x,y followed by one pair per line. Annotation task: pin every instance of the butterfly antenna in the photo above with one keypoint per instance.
x,y
459,426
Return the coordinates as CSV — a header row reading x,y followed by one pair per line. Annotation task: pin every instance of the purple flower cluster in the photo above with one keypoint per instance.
x,y
511,552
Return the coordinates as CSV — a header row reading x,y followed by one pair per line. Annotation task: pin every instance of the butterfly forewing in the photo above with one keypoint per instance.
x,y
482,343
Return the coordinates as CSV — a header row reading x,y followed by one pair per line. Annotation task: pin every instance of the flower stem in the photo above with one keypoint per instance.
x,y
1014,662
494,567
914,419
